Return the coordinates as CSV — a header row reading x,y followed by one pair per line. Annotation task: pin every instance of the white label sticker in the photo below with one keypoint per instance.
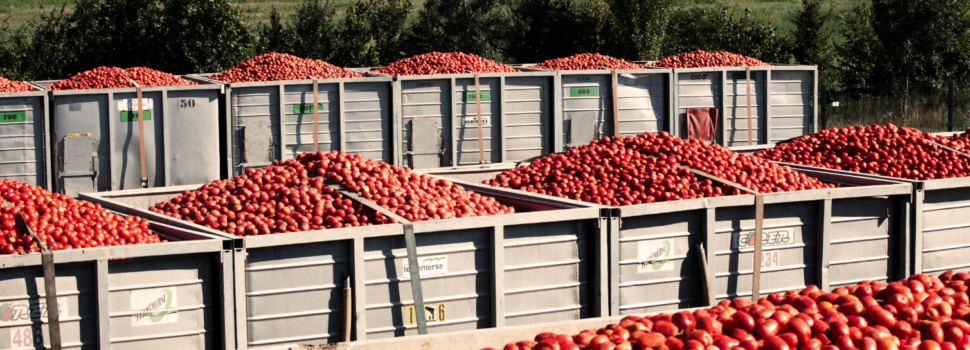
x,y
428,265
127,105
770,259
473,121
26,337
654,256
26,310
769,238
154,306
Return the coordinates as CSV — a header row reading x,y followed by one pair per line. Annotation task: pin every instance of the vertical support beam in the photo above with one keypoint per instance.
x,y
747,89
722,115
759,215
112,163
557,128
904,243
815,102
230,134
503,136
673,109
239,279
498,276
341,96
281,130
710,225
612,243
357,278
824,246
46,142
104,313
601,274
768,140
163,116
917,249
614,79
453,115
228,304
397,123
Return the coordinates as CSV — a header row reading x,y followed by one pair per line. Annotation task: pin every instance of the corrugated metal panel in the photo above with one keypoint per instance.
x,y
465,114
298,127
23,156
428,99
697,90
641,103
790,104
464,287
945,233
861,246
24,299
736,111
293,293
255,116
596,104
528,125
367,120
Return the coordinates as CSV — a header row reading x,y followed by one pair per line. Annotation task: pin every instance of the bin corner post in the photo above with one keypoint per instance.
x,y
557,128
498,276
503,134
397,127
415,273
710,225
104,321
601,294
759,210
905,230
228,129
229,304
610,245
824,247
917,243
357,278
341,91
239,281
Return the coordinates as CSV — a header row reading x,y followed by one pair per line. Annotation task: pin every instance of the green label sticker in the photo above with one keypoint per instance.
x,y
469,96
307,108
13,117
132,116
583,91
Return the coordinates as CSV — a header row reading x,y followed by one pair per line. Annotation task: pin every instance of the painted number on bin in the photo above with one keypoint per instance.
x,y
770,259
27,337
307,108
432,313
128,108
13,117
187,103
583,91
469,96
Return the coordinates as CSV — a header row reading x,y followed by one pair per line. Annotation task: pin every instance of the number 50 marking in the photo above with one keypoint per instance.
x,y
187,103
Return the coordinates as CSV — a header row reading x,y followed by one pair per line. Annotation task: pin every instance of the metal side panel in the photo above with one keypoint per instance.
x,y
546,273
255,125
298,119
125,152
946,231
425,141
192,129
185,284
788,248
367,120
528,124
658,267
582,129
79,164
83,115
735,113
427,99
586,97
465,117
23,156
791,104
860,243
457,285
641,103
294,293
697,90
23,307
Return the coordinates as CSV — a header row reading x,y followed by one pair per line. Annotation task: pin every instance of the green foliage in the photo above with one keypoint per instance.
x,y
923,38
315,30
120,33
387,22
810,43
471,26
275,37
202,36
859,55
38,50
545,29
353,47
715,29
639,28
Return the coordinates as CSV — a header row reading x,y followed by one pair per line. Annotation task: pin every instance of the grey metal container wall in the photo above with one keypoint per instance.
x,y
939,221
585,104
515,269
354,116
96,141
788,111
99,291
437,126
24,141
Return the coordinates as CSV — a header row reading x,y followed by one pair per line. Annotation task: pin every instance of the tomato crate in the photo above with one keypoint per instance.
x,y
829,238
939,219
172,295
95,136
273,120
24,142
537,265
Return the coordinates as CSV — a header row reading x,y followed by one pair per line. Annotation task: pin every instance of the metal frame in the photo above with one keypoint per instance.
x,y
357,237
186,245
42,93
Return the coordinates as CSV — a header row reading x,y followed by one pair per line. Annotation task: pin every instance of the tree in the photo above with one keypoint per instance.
x,y
121,33
545,29
38,50
928,39
203,36
714,29
316,32
387,22
353,47
639,27
275,37
860,54
810,43
470,26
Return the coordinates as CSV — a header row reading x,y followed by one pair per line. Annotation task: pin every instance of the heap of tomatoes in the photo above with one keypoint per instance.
x,y
280,66
13,86
877,149
649,168
922,312
444,63
587,61
114,77
62,222
701,58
